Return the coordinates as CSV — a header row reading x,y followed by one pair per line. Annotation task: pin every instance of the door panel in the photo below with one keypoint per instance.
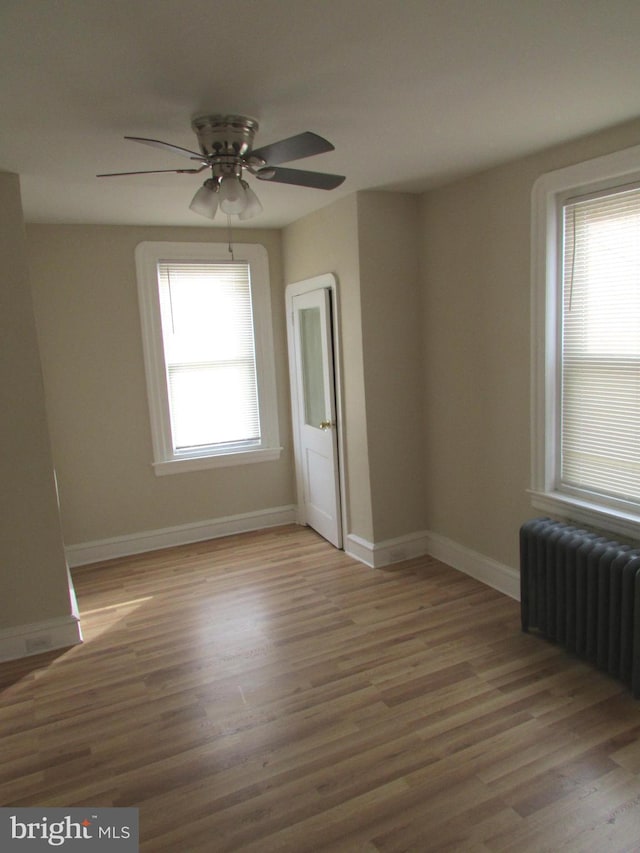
x,y
313,380
315,412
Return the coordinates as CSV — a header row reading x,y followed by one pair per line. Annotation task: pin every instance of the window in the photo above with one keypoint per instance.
x,y
206,326
586,343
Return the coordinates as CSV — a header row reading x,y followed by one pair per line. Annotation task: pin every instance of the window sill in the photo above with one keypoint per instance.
x,y
599,517
221,460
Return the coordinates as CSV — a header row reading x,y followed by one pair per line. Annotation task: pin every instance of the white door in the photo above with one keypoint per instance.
x,y
314,411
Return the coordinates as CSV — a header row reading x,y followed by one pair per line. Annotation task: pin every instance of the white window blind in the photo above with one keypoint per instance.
x,y
600,373
208,336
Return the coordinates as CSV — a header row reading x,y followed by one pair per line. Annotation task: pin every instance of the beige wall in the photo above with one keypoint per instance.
x,y
392,354
33,571
327,242
370,241
86,305
475,255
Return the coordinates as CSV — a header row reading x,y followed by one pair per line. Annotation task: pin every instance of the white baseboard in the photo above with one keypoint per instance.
x,y
184,534
488,571
38,637
387,552
491,572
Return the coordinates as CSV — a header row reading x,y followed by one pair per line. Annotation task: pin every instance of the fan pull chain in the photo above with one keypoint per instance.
x,y
229,236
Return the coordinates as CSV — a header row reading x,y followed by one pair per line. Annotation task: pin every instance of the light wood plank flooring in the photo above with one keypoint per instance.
x,y
264,692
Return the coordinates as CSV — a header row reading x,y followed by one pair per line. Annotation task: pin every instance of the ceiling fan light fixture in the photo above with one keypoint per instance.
x,y
205,201
233,196
226,148
253,206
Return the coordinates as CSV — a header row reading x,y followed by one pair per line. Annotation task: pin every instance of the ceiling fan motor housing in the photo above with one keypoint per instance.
x,y
225,135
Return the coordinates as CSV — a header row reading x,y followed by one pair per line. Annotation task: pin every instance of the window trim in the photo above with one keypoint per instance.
x,y
165,460
549,191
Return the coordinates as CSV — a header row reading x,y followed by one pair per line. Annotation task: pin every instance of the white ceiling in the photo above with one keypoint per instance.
x,y
410,92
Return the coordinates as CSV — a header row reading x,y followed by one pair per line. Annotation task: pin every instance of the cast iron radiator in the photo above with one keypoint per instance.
x,y
582,590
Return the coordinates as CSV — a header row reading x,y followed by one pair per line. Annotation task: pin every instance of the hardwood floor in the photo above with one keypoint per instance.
x,y
265,692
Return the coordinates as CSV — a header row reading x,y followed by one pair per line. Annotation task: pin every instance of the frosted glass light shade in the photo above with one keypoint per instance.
x,y
205,201
253,207
233,196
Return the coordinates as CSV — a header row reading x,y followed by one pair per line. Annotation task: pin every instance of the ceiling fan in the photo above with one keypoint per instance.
x,y
226,147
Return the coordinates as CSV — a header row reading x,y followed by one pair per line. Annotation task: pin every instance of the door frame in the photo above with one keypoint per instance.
x,y
325,281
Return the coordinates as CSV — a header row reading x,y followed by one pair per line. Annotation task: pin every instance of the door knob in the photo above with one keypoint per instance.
x,y
326,424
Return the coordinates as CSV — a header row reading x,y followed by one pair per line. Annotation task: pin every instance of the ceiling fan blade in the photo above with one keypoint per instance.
x,y
176,149
153,172
294,148
301,178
